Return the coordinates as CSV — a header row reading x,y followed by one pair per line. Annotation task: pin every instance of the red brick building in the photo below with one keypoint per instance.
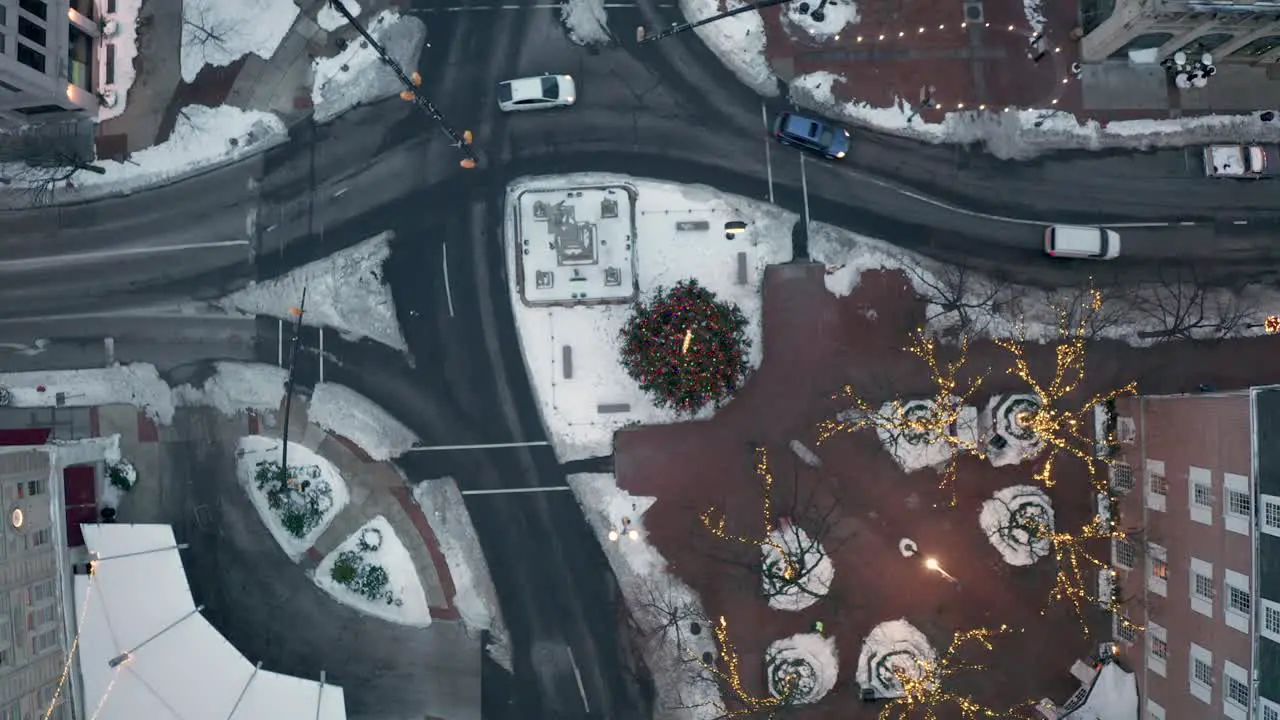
x,y
1200,479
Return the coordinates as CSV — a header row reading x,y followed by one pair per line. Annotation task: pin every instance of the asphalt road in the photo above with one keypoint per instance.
x,y
667,110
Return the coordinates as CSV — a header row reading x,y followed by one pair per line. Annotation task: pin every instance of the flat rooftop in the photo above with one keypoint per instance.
x,y
576,245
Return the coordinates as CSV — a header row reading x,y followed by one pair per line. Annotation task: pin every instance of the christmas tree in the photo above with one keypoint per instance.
x,y
685,348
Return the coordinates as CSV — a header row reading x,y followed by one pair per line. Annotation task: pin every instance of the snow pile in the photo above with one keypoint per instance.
x,y
345,291
1035,17
1113,696
1014,134
357,76
1016,520
121,475
65,453
807,456
295,516
667,611
125,41
329,20
891,648
219,32
372,572
802,668
137,384
586,21
571,407
343,411
474,595
799,574
236,387
836,16
738,41
1010,443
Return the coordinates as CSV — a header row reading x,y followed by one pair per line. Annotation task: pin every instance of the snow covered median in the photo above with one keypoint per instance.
x,y
739,42
372,572
237,387
219,32
137,384
297,505
346,412
586,21
357,76
572,350
345,292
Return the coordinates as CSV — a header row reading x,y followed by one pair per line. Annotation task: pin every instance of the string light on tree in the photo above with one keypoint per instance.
x,y
1065,430
905,419
717,526
924,686
731,677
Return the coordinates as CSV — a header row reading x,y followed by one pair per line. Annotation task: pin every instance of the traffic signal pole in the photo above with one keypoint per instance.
x,y
469,159
642,37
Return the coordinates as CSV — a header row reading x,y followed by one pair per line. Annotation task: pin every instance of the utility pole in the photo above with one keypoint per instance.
x,y
469,159
642,37
288,385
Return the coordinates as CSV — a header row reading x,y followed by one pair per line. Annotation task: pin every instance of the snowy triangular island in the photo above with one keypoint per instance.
x,y
372,571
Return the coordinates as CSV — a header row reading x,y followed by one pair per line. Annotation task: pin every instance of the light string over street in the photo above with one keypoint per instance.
x,y
462,142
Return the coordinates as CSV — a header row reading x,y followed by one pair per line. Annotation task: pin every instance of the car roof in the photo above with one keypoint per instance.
x,y
803,126
525,88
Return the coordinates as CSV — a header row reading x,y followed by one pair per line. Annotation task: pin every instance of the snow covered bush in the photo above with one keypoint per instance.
x,y
122,475
296,497
365,578
1017,520
796,572
892,650
685,348
802,668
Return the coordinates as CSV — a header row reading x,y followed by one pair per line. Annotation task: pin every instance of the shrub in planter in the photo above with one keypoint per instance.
x,y
346,568
122,475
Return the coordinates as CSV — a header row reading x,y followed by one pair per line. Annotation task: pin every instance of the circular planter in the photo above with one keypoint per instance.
x,y
370,539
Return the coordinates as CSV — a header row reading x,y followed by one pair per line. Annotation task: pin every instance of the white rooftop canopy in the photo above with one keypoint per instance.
x,y
169,662
1114,696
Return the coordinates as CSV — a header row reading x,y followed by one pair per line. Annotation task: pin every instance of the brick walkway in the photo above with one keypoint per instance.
x,y
814,343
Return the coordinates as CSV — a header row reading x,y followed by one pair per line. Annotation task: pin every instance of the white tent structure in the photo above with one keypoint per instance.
x,y
145,650
1113,696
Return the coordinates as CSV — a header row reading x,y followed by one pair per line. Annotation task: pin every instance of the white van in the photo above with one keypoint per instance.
x,y
1078,241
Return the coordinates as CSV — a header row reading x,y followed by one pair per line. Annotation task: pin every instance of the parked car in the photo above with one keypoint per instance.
x,y
542,92
1235,161
1078,241
811,133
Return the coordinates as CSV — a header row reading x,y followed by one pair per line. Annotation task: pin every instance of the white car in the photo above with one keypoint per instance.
x,y
536,93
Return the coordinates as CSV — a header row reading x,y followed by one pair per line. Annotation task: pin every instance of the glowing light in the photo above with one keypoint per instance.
x,y
924,686
731,676
717,527
931,564
688,340
613,535
1074,563
1271,324
17,518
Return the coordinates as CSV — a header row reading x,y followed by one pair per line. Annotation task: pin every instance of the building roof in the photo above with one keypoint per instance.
x,y
147,652
1113,696
1266,453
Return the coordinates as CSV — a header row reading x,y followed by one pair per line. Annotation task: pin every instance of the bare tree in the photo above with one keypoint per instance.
x,y
1092,309
663,614
1186,306
39,159
205,29
959,299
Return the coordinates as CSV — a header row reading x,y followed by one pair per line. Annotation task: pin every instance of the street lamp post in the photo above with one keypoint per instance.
x,y
643,37
469,159
933,565
288,385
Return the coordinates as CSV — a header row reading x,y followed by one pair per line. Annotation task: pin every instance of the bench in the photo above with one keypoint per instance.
x,y
742,268
567,361
613,408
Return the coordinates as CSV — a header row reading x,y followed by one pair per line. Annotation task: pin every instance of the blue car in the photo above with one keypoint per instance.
x,y
813,134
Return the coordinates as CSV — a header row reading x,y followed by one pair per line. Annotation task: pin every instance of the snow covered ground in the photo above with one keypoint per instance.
x,y
219,32
586,21
836,16
474,595
402,600
344,411
236,387
202,138
654,595
1014,134
325,481
137,384
893,645
806,560
738,41
119,30
803,668
1027,311
1011,518
329,20
582,412
1035,18
345,292
357,76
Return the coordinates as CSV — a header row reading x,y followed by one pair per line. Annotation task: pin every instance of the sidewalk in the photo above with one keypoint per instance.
x,y
375,489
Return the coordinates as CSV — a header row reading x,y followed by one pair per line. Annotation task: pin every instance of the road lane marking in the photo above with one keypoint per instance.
x,y
804,188
280,343
478,446
88,257
444,263
768,159
508,491
321,354
577,675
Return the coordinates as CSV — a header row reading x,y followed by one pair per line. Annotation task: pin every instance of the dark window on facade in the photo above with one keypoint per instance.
x,y
1258,48
31,58
41,109
5,85
32,31
4,15
79,58
111,64
111,6
35,7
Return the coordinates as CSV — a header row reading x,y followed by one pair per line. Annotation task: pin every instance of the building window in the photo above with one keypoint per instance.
x,y
1158,574
39,538
13,711
37,487
1121,477
1258,48
1122,629
1157,486
1202,586
1123,553
37,8
44,641
1201,680
1270,514
1239,602
1200,489
1271,620
41,110
31,58
1126,430
1154,710
1235,691
43,615
1237,511
39,592
32,32
3,84
1157,648
1270,710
